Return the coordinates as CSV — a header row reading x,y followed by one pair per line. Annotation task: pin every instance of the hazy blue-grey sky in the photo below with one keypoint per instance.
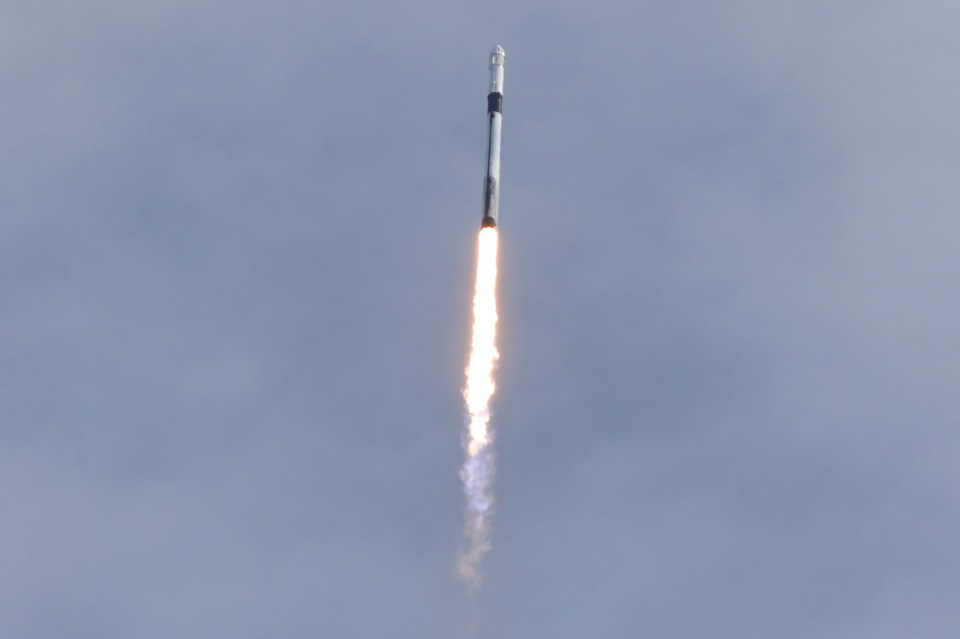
x,y
236,252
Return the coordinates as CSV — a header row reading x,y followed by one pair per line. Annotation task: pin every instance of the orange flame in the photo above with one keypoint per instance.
x,y
477,472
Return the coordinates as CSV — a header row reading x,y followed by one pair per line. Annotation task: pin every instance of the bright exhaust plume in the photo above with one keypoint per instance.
x,y
478,466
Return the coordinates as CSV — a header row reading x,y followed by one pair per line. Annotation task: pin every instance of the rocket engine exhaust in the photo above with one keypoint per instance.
x,y
478,466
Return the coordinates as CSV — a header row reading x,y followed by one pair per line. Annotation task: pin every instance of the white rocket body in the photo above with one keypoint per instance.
x,y
491,192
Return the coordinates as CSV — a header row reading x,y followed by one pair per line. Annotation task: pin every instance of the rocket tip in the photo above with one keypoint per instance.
x,y
498,55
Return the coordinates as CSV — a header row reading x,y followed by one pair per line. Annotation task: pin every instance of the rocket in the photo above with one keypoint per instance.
x,y
491,188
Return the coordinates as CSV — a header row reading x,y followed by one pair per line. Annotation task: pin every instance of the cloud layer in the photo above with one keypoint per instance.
x,y
236,258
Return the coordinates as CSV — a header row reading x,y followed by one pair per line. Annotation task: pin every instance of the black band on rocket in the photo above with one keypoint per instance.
x,y
495,103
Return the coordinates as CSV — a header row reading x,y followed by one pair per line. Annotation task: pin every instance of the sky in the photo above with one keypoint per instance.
x,y
236,256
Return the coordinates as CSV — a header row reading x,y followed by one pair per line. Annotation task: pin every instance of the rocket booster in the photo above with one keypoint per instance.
x,y
491,188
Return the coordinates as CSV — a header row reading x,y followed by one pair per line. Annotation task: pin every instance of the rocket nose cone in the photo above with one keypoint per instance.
x,y
498,56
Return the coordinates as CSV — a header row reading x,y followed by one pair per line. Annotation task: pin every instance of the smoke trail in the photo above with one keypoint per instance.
x,y
478,465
